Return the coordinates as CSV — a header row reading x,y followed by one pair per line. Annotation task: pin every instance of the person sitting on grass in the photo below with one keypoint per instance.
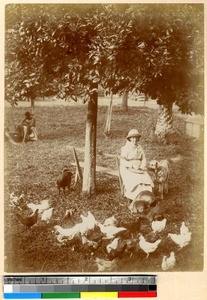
x,y
27,128
133,170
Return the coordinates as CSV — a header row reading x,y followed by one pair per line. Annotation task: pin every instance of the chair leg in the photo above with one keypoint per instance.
x,y
78,173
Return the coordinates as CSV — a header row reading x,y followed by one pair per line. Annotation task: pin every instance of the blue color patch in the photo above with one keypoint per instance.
x,y
22,295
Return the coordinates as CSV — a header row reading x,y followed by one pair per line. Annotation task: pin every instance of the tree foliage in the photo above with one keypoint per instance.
x,y
164,54
156,49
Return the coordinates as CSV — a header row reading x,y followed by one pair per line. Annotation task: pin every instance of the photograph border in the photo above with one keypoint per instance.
x,y
173,285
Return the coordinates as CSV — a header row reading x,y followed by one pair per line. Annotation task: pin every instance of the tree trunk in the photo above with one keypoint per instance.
x,y
89,174
32,104
146,98
164,122
125,97
107,130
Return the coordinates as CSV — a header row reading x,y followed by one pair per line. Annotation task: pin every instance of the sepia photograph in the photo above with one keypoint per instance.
x,y
104,138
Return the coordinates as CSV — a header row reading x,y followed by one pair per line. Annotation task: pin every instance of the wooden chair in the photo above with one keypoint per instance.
x,y
78,172
120,179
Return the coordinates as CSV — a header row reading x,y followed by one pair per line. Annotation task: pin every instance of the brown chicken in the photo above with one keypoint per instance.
x,y
29,220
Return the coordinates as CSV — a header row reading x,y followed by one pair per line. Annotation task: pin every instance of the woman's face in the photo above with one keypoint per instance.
x,y
134,140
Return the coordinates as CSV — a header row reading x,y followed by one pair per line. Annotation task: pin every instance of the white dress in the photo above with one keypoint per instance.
x,y
134,180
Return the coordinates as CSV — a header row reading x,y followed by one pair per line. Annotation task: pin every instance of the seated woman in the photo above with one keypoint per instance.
x,y
27,128
133,167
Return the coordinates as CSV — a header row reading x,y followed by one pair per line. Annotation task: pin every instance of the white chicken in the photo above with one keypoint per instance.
x,y
18,202
148,247
41,207
68,233
168,263
112,221
47,214
181,240
158,226
176,159
106,265
110,231
184,229
88,223
13,199
113,245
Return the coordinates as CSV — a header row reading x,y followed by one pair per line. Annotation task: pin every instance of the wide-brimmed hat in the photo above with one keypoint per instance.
x,y
133,133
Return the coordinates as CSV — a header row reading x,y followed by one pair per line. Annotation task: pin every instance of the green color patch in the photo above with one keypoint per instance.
x,y
60,295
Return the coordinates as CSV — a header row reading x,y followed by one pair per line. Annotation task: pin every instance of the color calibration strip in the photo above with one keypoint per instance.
x,y
84,287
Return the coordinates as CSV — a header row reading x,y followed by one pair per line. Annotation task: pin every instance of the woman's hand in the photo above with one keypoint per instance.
x,y
135,164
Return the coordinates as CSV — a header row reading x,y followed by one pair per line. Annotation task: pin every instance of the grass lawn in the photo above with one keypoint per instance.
x,y
33,168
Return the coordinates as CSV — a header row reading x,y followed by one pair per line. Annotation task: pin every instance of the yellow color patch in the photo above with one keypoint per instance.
x,y
95,295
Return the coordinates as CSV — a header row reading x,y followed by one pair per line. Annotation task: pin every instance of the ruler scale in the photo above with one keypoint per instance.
x,y
80,286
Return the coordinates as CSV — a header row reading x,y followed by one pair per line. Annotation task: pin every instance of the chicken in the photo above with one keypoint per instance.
x,y
184,229
13,199
176,159
22,200
148,247
168,263
68,233
158,226
16,201
134,226
117,248
110,231
89,243
106,265
47,214
88,223
95,235
154,212
181,240
113,245
41,207
131,245
29,220
110,221
64,180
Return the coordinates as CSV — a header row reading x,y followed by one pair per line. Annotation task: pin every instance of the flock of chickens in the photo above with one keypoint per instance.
x,y
91,234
